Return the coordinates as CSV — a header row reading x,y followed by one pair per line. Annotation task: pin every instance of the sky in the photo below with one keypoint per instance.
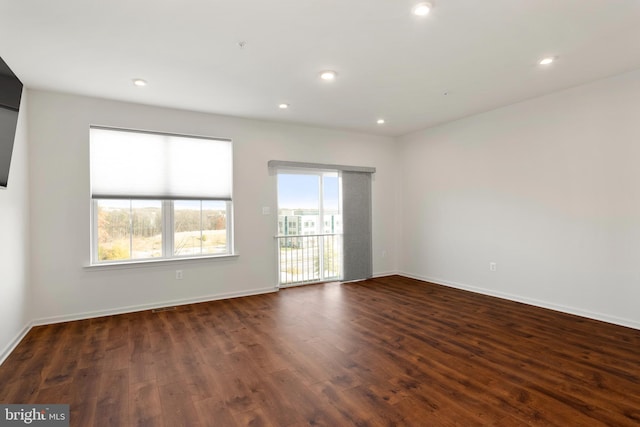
x,y
299,191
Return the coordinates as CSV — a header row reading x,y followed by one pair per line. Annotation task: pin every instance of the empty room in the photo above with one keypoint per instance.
x,y
338,213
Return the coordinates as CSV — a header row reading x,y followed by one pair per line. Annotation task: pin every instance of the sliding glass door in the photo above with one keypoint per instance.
x,y
309,227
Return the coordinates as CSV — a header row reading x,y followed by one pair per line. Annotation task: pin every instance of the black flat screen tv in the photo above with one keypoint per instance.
x,y
10,94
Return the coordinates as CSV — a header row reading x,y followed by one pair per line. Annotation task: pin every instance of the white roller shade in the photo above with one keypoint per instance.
x,y
133,164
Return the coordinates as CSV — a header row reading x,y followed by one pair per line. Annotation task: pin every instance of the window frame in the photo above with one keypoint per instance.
x,y
166,199
168,238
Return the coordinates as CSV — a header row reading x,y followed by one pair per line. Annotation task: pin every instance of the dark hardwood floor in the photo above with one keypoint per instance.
x,y
388,351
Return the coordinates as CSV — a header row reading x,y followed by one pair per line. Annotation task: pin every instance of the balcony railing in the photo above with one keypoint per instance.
x,y
309,258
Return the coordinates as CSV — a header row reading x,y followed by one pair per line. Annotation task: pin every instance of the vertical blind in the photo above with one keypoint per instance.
x,y
145,165
356,224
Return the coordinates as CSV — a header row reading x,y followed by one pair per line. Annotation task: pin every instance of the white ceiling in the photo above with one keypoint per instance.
x,y
390,64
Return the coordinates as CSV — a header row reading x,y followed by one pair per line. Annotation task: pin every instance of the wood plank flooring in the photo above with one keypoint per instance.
x,y
383,352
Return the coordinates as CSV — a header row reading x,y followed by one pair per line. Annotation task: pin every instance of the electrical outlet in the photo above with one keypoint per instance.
x,y
493,266
179,274
384,254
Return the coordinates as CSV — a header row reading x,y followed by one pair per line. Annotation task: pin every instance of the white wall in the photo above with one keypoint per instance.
x,y
14,243
549,189
59,156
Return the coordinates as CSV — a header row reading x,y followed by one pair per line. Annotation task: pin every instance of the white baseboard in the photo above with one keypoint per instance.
x,y
531,301
384,274
143,307
14,342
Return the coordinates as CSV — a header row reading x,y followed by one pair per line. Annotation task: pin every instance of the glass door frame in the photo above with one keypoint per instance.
x,y
319,233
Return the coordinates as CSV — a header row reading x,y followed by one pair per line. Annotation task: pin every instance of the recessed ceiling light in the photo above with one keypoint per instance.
x,y
283,106
139,82
546,61
422,9
328,75
380,121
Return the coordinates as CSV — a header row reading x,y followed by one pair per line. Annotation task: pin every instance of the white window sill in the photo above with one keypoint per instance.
x,y
161,261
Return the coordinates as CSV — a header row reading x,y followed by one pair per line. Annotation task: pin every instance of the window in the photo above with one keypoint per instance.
x,y
354,216
311,253
128,229
200,227
159,196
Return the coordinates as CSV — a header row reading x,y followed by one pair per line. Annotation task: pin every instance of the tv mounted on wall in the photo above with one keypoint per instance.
x,y
10,94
